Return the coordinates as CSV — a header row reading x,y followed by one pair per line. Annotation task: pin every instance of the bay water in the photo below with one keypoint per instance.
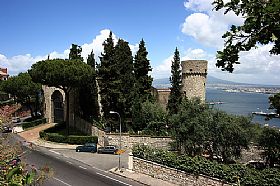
x,y
242,103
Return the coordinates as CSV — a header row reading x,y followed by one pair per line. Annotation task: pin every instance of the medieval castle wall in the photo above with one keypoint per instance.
x,y
194,74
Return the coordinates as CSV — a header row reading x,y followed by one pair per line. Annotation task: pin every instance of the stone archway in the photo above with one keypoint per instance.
x,y
57,107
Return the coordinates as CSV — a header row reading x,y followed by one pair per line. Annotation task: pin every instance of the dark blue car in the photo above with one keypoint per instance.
x,y
88,147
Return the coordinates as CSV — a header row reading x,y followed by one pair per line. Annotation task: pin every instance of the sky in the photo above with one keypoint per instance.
x,y
30,30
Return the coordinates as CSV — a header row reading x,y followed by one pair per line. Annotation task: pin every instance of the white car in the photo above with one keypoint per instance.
x,y
16,120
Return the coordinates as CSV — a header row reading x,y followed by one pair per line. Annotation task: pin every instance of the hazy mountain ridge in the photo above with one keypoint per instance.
x,y
165,83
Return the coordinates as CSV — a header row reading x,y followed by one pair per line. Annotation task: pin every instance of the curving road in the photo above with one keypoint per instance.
x,y
70,172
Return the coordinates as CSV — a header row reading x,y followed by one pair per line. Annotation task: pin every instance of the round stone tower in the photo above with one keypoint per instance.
x,y
194,74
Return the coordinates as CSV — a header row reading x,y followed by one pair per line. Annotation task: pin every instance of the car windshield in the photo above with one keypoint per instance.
x,y
90,144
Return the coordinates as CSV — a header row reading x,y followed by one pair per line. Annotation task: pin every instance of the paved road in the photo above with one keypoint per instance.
x,y
100,161
70,172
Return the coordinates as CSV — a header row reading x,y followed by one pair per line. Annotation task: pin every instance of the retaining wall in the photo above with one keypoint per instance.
x,y
172,175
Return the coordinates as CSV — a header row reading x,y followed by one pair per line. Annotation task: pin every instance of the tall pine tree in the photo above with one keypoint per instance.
x,y
175,96
89,94
88,100
75,52
107,77
142,68
125,78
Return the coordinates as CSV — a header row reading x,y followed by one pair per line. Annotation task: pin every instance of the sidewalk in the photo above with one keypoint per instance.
x,y
32,136
141,178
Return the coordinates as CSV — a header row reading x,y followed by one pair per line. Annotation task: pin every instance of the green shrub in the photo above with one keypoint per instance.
x,y
54,137
200,165
52,134
34,123
82,139
42,134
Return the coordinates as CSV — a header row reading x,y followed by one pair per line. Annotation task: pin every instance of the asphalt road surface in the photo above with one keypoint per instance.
x,y
70,172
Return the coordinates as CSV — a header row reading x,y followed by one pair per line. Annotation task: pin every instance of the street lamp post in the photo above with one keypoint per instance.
x,y
120,140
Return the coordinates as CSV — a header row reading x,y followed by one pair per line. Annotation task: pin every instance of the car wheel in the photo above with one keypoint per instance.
x,y
77,150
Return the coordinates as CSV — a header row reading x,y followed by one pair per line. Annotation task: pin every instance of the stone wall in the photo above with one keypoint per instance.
x,y
82,125
128,141
173,175
162,97
48,107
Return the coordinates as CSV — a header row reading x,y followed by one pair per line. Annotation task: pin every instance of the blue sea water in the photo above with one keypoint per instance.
x,y
241,103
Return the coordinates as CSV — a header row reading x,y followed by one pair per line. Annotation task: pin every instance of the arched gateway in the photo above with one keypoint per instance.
x,y
54,104
57,107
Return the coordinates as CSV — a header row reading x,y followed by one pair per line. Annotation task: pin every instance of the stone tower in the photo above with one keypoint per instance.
x,y
194,74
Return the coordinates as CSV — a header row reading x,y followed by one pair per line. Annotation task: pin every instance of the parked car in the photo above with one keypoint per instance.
x,y
88,147
16,120
6,129
110,149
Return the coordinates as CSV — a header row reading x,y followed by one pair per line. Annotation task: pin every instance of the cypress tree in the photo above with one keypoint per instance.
x,y
89,94
106,76
175,96
88,99
125,78
142,68
75,52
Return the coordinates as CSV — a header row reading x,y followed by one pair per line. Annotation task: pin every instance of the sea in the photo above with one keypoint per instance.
x,y
242,103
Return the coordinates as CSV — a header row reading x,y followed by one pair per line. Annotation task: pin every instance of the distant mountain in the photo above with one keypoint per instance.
x,y
214,80
161,83
164,82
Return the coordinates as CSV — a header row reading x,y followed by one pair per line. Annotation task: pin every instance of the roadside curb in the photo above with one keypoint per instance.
x,y
47,144
113,171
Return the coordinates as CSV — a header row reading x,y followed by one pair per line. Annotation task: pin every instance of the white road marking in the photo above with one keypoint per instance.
x,y
61,181
54,152
69,162
99,169
113,179
82,167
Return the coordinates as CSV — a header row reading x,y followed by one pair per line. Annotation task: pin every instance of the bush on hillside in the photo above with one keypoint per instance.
x,y
200,165
54,134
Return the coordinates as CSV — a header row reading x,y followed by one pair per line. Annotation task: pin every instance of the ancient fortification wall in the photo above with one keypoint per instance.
x,y
194,74
172,175
48,107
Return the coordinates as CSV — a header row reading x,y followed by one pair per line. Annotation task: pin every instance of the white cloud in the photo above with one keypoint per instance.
x,y
96,44
164,69
257,66
207,26
21,63
97,47
199,5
